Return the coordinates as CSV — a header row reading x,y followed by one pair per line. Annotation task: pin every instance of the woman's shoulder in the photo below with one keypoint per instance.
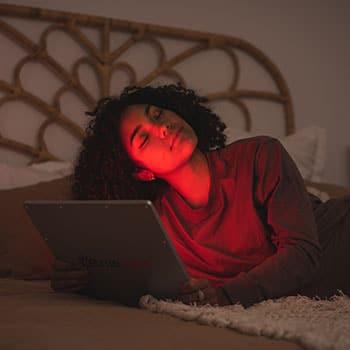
x,y
246,145
241,154
252,140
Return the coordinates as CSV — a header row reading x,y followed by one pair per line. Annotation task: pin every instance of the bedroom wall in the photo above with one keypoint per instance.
x,y
307,41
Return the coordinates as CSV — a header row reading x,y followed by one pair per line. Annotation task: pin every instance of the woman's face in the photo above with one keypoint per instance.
x,y
156,139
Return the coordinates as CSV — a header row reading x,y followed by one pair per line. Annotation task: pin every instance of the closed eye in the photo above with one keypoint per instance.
x,y
157,116
143,142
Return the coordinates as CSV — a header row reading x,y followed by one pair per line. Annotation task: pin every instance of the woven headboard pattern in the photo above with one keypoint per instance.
x,y
106,60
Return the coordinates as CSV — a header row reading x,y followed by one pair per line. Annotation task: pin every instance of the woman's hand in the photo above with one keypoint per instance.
x,y
201,292
68,278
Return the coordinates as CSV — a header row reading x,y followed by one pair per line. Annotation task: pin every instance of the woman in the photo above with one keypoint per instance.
x,y
239,216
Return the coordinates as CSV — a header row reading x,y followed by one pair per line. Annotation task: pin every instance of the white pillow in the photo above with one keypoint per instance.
x,y
12,176
59,167
324,196
307,147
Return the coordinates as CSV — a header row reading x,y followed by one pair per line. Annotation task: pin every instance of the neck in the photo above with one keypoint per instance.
x,y
192,180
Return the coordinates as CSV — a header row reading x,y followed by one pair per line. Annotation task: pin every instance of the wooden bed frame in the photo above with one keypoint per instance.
x,y
104,61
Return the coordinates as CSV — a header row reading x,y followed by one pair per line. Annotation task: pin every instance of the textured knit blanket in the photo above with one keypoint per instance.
x,y
312,323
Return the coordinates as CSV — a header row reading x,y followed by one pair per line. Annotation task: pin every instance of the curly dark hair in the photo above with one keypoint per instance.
x,y
103,169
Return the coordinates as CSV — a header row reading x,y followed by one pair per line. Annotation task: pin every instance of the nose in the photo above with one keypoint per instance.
x,y
164,130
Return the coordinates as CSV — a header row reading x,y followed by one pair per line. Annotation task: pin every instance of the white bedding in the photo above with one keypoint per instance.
x,y
315,324
13,176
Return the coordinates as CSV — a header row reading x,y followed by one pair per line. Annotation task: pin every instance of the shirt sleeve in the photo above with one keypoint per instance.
x,y
285,208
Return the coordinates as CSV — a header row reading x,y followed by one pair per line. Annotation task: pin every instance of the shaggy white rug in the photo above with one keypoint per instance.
x,y
312,323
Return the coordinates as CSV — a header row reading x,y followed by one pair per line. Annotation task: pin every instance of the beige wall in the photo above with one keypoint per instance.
x,y
308,40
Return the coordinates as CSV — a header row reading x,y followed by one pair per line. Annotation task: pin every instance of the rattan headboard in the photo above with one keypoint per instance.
x,y
105,61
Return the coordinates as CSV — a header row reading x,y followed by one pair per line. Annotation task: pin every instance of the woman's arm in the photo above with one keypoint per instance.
x,y
284,204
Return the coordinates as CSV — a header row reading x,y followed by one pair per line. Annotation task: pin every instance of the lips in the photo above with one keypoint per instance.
x,y
175,137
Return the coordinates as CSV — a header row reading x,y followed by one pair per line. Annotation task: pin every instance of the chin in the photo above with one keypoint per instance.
x,y
180,157
188,150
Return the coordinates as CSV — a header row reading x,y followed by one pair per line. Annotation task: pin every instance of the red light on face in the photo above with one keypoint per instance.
x,y
176,137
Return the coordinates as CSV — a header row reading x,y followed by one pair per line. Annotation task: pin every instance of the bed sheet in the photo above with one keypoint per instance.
x,y
34,317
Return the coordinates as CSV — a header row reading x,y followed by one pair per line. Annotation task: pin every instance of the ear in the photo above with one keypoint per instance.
x,y
143,175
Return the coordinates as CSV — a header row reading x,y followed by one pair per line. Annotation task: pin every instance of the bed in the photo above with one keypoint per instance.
x,y
61,64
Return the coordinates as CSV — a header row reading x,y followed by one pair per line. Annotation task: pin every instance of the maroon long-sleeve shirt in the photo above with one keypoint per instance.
x,y
256,238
